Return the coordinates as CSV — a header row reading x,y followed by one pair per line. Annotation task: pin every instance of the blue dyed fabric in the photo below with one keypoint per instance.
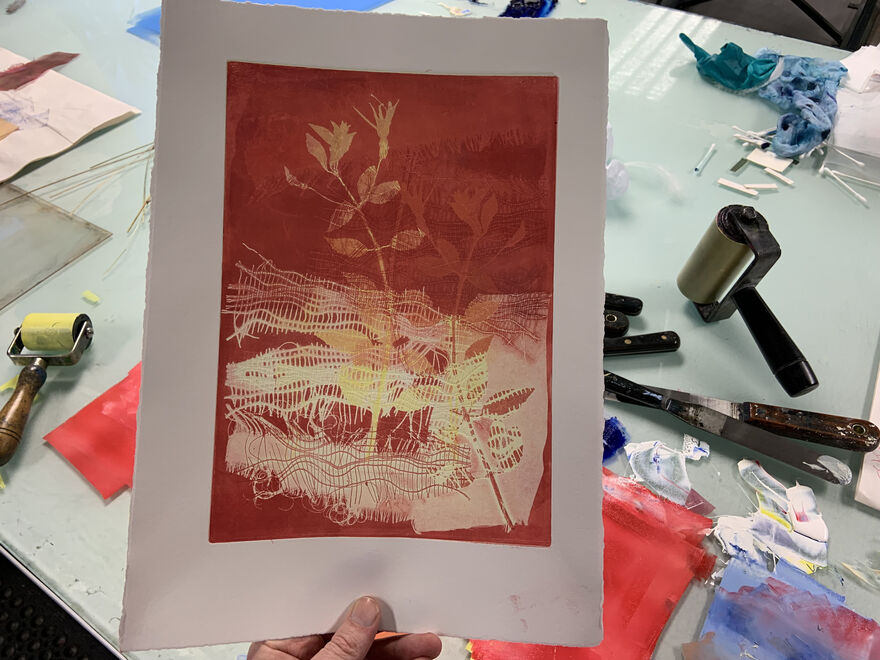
x,y
731,67
803,88
614,437
528,8
806,92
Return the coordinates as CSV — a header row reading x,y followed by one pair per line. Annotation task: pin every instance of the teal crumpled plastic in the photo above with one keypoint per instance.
x,y
731,67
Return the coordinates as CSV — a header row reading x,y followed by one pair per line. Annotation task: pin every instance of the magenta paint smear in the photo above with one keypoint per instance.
x,y
21,74
780,616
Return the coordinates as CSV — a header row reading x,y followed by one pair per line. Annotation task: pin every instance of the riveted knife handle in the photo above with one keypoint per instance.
x,y
630,392
831,430
616,323
626,304
655,342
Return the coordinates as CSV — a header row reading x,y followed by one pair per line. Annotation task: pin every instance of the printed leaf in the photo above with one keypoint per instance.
x,y
480,309
316,150
505,446
384,192
325,134
418,397
465,205
479,347
341,216
350,247
408,239
292,180
359,281
416,362
517,236
366,182
488,212
506,401
433,266
448,252
482,282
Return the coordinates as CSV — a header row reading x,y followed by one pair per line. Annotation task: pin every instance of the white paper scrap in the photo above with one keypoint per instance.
x,y
768,159
52,114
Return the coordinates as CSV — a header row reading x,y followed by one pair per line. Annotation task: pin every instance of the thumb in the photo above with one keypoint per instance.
x,y
355,636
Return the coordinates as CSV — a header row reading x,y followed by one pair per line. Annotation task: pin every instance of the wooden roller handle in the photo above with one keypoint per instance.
x,y
831,430
14,414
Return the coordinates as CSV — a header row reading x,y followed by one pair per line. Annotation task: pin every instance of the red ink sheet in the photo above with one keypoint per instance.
x,y
99,440
652,552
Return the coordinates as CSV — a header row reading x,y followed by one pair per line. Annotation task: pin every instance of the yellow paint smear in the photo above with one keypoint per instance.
x,y
91,297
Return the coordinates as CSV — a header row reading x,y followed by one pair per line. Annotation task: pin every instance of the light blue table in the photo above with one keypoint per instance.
x,y
823,289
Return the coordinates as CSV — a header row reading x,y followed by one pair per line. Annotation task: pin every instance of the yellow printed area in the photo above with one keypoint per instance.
x,y
9,384
2,483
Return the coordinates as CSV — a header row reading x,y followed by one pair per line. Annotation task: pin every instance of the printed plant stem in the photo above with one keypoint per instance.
x,y
499,499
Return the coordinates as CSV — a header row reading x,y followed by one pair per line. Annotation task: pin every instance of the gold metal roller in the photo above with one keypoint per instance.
x,y
51,340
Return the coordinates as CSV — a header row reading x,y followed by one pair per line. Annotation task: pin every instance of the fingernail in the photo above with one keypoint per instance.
x,y
365,612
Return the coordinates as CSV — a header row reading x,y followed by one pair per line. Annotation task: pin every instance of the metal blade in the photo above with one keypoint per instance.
x,y
728,408
788,451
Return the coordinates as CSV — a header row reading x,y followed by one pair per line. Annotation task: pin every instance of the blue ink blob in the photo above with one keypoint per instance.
x,y
614,437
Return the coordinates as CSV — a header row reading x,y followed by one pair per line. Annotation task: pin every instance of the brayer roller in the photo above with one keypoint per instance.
x,y
737,232
50,340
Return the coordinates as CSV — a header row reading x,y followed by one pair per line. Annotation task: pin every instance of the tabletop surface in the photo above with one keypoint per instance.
x,y
663,116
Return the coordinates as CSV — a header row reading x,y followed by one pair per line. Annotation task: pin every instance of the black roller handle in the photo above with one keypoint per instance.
x,y
655,342
626,304
783,356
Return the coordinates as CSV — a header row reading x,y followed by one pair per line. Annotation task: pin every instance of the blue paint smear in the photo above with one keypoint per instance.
x,y
735,628
146,25
744,572
614,437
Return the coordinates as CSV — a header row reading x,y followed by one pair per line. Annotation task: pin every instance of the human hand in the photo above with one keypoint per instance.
x,y
353,641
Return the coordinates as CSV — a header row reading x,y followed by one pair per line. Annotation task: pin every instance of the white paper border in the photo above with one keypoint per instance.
x,y
183,591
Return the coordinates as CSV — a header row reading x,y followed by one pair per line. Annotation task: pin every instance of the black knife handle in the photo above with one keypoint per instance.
x,y
783,356
831,430
655,342
628,391
616,323
626,304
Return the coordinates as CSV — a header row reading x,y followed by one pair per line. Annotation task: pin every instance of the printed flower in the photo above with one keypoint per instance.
x,y
339,141
382,117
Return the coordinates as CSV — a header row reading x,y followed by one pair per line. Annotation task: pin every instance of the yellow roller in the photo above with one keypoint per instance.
x,y
51,332
50,340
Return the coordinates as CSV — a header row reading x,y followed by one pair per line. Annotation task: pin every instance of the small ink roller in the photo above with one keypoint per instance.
x,y
51,340
736,233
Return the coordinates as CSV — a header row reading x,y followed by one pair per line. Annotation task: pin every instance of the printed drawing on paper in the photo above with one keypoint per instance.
x,y
386,315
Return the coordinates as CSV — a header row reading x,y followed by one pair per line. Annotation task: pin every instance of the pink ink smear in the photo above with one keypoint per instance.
x,y
21,74
99,440
652,552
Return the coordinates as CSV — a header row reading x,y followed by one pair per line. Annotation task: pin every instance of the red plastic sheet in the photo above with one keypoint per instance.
x,y
99,440
652,552
21,74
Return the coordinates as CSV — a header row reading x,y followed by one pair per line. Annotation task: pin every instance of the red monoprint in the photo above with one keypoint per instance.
x,y
386,321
